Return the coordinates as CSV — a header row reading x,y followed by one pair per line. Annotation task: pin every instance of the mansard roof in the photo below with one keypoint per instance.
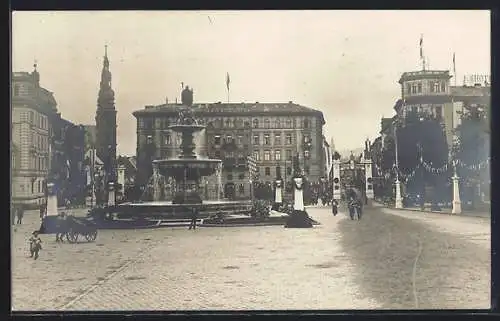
x,y
234,109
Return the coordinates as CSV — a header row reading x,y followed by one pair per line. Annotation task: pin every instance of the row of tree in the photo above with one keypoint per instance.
x,y
422,138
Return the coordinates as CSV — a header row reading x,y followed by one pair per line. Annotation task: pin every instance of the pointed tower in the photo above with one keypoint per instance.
x,y
106,122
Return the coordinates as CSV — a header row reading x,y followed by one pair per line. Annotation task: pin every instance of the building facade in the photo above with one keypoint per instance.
x,y
429,92
105,142
32,108
270,132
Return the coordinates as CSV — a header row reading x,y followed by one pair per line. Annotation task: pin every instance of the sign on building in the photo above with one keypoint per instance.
x,y
252,167
471,80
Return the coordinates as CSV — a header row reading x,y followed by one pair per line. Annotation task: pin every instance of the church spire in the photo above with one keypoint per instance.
x,y
106,97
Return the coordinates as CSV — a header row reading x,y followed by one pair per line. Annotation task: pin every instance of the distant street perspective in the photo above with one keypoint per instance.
x,y
263,205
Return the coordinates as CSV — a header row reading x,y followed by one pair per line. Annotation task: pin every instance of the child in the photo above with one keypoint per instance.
x,y
35,244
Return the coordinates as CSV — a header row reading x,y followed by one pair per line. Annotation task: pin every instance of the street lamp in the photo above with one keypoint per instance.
x,y
399,199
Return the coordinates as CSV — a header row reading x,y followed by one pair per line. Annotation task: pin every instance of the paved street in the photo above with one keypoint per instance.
x,y
390,259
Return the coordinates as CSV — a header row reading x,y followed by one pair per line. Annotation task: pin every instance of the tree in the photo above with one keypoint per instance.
x,y
423,135
472,148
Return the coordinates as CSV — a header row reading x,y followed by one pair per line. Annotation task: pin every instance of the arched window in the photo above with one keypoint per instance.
x,y
277,123
267,171
255,123
288,123
306,123
267,123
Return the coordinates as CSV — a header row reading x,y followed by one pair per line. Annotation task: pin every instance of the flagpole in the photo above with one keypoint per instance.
x,y
227,85
454,70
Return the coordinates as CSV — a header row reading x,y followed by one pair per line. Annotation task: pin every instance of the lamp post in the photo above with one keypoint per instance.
x,y
399,199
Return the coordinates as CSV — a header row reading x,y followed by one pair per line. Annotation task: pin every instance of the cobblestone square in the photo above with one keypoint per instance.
x,y
340,264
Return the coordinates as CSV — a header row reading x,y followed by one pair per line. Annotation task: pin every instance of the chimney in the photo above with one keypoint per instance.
x,y
256,102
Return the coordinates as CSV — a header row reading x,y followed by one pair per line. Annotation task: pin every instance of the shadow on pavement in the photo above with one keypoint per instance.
x,y
450,272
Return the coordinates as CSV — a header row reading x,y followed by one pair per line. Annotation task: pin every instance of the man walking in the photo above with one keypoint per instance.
x,y
20,214
194,217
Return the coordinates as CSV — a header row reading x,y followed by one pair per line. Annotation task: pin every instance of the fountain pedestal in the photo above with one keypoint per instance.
x,y
49,220
51,201
457,203
299,217
111,194
278,194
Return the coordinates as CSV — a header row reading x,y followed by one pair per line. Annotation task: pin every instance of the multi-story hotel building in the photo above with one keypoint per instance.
x,y
270,132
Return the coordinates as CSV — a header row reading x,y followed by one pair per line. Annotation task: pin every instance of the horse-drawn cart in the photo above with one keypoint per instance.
x,y
71,227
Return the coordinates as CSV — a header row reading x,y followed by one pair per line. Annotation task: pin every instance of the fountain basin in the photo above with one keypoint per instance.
x,y
190,168
168,209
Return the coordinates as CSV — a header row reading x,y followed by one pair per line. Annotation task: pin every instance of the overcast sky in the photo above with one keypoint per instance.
x,y
344,63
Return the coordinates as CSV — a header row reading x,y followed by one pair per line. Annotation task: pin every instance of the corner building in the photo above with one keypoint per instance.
x,y
270,132
32,109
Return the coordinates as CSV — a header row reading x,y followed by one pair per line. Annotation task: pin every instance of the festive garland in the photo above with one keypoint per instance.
x,y
457,162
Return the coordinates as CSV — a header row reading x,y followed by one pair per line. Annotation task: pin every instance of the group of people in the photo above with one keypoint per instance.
x,y
354,204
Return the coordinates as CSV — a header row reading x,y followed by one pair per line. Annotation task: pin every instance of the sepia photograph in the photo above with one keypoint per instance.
x,y
250,160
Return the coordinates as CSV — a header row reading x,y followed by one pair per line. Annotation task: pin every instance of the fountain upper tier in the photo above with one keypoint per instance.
x,y
188,168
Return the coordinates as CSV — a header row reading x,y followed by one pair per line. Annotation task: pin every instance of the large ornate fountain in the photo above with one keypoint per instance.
x,y
187,168
182,174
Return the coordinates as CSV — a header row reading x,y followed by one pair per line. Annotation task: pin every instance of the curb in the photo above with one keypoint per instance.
x,y
243,225
432,212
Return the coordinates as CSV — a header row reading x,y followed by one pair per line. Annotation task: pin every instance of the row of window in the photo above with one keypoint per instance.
x,y
278,173
434,87
239,140
149,123
39,141
39,163
437,111
276,155
35,119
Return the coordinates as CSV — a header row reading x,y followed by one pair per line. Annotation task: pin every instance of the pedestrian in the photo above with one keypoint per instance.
x,y
42,210
20,214
13,213
335,209
35,244
194,217
61,227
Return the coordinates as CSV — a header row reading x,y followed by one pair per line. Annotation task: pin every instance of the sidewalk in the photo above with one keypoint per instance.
x,y
446,211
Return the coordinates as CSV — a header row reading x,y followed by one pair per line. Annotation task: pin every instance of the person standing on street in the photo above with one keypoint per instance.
x,y
194,217
35,244
13,213
20,214
42,210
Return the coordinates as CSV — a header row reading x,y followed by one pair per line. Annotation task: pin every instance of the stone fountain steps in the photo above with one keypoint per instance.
x,y
178,222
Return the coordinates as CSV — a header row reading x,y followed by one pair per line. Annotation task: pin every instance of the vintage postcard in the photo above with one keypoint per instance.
x,y
250,160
